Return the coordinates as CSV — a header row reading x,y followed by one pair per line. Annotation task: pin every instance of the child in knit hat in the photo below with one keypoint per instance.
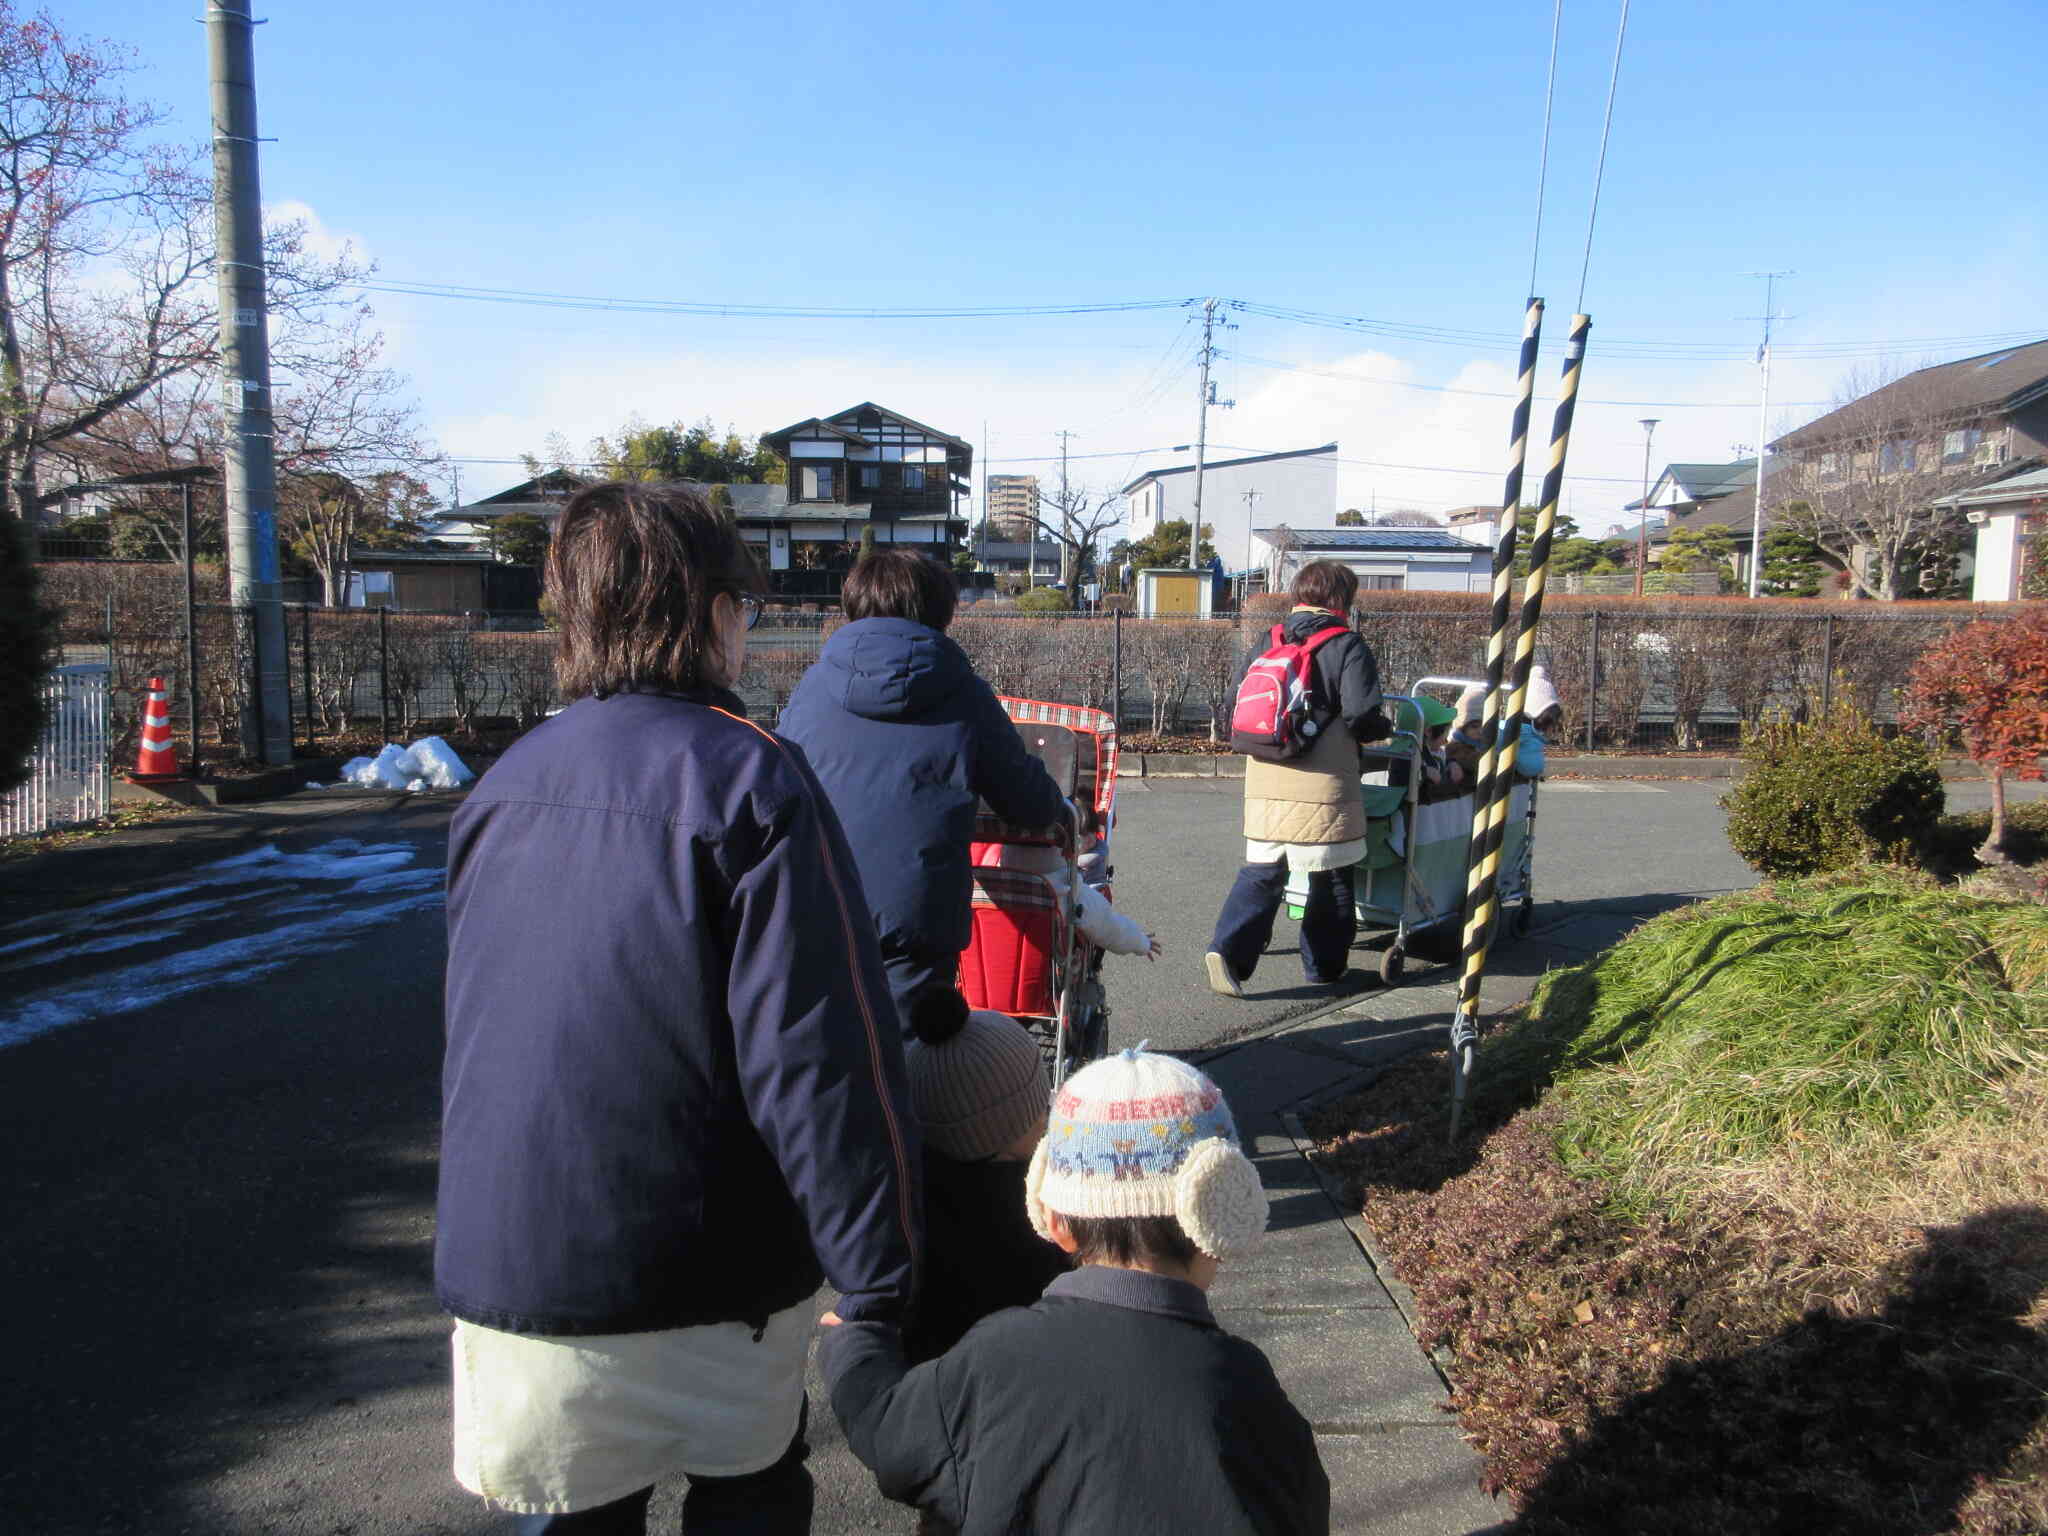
x,y
979,1086
1541,712
1115,1403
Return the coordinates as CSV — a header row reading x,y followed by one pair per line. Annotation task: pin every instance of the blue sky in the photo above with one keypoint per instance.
x,y
1343,159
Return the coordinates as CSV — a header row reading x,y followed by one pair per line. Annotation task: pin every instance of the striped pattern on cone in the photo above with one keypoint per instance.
x,y
157,755
1491,810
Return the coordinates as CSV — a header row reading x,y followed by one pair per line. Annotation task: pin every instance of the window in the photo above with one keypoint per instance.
x,y
820,482
1956,447
913,477
1899,456
1831,466
1381,583
867,478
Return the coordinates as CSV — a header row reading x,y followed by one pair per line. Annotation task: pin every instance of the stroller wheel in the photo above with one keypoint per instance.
x,y
1393,964
1525,917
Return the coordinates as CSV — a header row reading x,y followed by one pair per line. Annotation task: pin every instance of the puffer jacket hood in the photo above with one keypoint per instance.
x,y
892,669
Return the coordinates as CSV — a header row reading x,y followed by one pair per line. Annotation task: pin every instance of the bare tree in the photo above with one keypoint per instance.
x,y
348,446
106,260
1864,484
1074,520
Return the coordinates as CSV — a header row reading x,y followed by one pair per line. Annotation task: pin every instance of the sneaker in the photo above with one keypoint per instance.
x,y
1220,978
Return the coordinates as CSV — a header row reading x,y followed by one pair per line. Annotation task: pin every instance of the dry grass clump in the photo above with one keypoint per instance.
x,y
1749,1229
1850,1024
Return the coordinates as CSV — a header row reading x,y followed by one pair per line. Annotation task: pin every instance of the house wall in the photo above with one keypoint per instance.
x,y
1997,559
1301,492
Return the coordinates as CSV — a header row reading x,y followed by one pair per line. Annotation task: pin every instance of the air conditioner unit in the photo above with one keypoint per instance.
x,y
1988,453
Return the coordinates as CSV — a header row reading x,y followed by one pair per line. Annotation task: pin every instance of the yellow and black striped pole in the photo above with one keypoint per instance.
x,y
1503,599
1495,788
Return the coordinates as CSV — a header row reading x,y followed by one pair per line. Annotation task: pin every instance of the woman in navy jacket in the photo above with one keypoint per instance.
x,y
674,1091
905,738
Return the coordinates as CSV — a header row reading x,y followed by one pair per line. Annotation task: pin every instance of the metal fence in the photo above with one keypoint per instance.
x,y
68,776
1679,679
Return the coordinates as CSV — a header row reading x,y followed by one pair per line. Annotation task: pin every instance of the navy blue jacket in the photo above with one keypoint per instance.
x,y
904,737
673,1083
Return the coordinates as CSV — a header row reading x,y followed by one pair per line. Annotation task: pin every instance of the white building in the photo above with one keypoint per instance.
x,y
1298,488
2007,516
1386,559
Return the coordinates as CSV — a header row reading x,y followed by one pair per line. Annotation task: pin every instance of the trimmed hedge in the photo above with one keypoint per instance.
x,y
1832,794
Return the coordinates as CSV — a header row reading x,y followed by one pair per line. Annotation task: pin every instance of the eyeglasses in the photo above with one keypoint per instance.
x,y
750,610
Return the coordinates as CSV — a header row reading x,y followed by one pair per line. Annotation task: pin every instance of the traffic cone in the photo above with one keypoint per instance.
x,y
156,759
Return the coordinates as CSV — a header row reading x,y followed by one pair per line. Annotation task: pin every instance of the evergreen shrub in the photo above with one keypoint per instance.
x,y
1831,793
1042,600
25,639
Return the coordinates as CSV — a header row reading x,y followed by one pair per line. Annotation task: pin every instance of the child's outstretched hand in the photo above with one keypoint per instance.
x,y
831,1320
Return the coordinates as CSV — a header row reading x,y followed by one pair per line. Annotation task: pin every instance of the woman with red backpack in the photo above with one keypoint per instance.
x,y
1302,806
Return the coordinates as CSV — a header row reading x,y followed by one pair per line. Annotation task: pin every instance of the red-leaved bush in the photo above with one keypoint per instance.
x,y
1988,683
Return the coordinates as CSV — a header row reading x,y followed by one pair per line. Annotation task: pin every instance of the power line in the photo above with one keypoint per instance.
x,y
1685,351
545,300
1496,394
1670,351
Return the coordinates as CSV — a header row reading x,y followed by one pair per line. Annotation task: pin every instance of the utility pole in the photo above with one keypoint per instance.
x,y
1250,507
1649,425
251,499
1066,513
1763,428
1208,398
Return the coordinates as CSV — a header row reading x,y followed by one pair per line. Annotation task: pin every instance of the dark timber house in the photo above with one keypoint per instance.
x,y
866,467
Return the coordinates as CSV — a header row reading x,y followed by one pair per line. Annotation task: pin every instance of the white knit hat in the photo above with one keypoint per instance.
x,y
1137,1134
977,1078
1542,694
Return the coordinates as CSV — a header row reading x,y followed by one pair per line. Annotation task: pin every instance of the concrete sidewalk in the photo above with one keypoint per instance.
x,y
1311,1295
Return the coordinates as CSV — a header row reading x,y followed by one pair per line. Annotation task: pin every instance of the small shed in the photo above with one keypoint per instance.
x,y
438,581
1175,592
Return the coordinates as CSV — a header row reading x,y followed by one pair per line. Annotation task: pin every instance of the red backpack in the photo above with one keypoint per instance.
x,y
1274,718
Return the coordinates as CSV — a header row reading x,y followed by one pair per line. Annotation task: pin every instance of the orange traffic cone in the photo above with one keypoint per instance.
x,y
156,758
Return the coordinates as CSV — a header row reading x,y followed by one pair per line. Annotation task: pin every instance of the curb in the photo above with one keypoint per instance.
x,y
272,785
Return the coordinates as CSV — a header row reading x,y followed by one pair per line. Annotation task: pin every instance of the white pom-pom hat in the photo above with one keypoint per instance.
x,y
1137,1134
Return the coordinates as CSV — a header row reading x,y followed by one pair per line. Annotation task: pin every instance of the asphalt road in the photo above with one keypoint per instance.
x,y
219,1056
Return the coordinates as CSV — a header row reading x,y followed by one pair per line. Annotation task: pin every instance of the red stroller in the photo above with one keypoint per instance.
x,y
1027,956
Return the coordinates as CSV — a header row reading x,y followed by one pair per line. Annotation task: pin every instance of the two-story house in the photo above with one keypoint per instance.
x,y
865,467
1875,482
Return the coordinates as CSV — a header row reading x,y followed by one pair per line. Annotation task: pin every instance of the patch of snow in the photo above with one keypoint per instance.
x,y
429,763
335,892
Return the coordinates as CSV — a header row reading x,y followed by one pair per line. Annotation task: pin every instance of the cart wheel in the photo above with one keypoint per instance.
x,y
1393,963
1525,917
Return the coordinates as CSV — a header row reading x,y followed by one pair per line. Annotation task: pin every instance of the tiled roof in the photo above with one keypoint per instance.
x,y
2001,380
2021,487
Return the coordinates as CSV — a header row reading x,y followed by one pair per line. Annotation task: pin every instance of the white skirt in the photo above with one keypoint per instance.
x,y
1305,858
551,1425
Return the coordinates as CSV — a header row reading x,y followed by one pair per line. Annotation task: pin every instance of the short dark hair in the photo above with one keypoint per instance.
x,y
632,572
1325,584
900,584
1126,1241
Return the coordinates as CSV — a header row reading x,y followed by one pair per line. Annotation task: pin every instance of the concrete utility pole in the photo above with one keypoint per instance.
x,y
1763,429
1065,505
1649,425
1208,398
1250,508
251,509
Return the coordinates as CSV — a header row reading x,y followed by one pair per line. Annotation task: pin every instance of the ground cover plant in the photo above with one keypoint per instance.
x,y
1749,1228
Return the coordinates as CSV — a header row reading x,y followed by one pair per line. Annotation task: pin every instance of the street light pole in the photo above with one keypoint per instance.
x,y
1649,424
